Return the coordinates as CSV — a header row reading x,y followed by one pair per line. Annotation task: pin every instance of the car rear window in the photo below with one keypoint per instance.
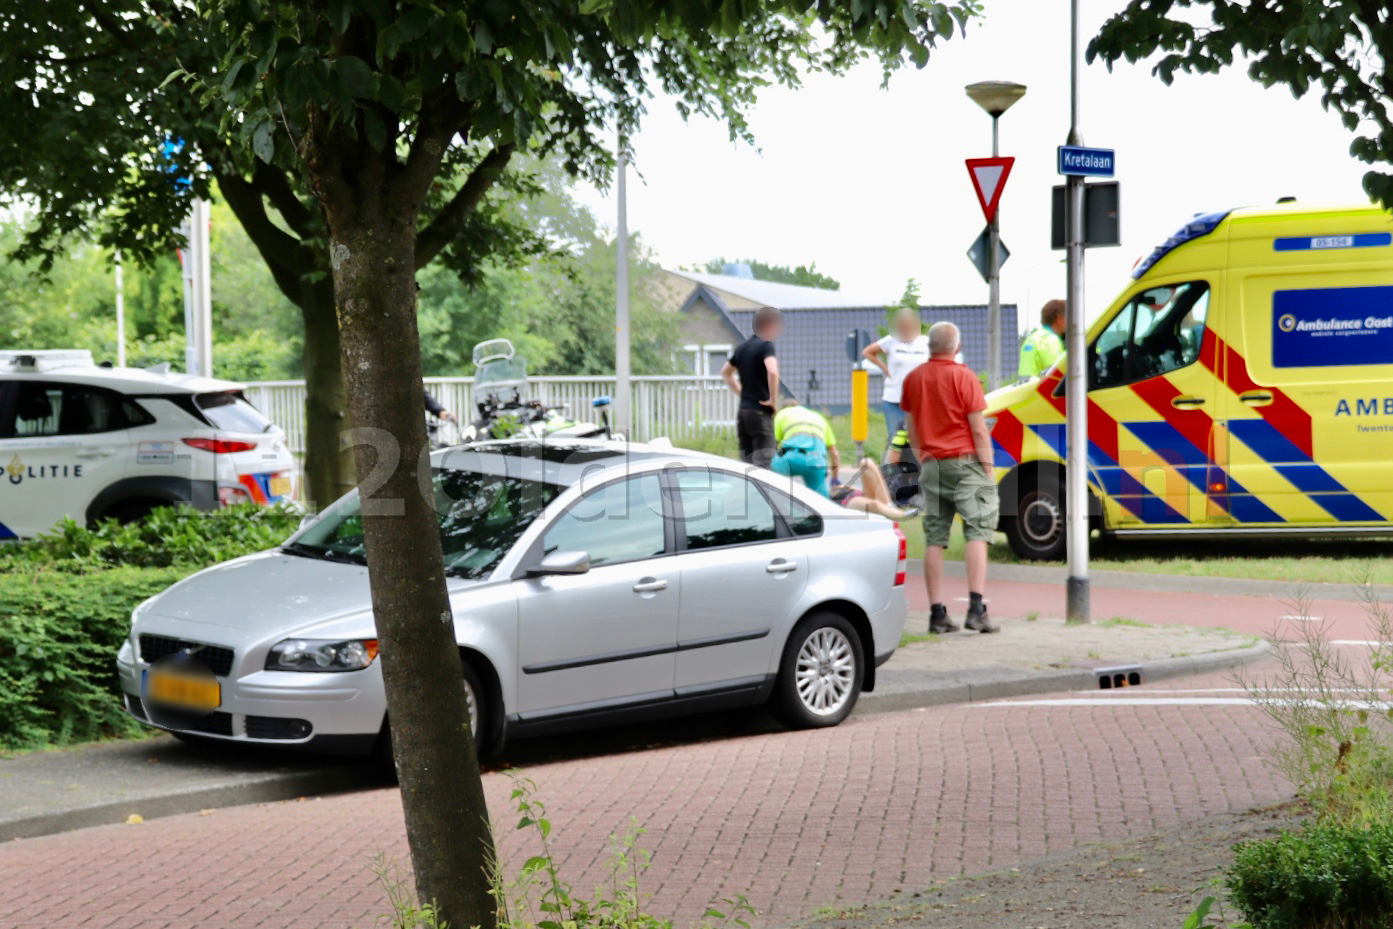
x,y
229,410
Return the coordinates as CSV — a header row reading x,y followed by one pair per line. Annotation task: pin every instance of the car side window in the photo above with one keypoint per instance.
x,y
719,508
67,409
1159,330
38,408
800,518
621,521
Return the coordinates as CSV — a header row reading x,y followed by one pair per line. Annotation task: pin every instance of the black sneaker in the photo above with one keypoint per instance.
x,y
940,624
980,622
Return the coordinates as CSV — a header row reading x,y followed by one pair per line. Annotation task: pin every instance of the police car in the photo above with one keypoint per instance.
x,y
91,442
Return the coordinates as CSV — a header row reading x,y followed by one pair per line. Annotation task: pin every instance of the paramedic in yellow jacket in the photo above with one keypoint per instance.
x,y
1043,347
806,444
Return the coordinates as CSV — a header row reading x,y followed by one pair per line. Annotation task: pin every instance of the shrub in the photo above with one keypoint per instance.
x,y
59,634
168,537
1327,876
65,606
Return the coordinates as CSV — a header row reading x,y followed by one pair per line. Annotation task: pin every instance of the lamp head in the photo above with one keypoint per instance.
x,y
996,97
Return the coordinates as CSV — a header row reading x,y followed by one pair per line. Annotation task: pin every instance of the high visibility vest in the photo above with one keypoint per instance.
x,y
799,420
1041,349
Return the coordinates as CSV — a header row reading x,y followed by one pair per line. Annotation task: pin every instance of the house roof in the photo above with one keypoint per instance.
x,y
782,296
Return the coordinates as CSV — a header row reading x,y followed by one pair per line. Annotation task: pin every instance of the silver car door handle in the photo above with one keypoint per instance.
x,y
643,587
781,567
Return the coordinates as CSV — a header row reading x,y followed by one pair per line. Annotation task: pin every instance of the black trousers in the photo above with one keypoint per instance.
x,y
755,428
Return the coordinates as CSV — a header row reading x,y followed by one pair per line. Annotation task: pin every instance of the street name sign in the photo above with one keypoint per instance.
x,y
1077,161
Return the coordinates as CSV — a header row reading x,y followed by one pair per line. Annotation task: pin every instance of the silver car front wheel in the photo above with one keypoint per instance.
x,y
471,705
821,673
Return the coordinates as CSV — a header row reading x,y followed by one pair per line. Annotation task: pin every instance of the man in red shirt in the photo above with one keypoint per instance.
x,y
943,404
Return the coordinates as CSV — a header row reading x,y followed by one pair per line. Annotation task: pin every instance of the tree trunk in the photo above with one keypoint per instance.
x,y
373,238
329,470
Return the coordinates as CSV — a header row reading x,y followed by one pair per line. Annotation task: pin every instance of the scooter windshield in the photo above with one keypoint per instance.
x,y
503,371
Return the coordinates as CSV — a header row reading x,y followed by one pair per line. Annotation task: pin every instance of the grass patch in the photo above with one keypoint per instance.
x,y
913,638
1123,621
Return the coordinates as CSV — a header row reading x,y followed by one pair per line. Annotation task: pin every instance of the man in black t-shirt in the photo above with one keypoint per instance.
x,y
753,374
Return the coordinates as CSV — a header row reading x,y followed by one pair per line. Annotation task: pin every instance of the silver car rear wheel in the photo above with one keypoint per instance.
x,y
820,674
826,671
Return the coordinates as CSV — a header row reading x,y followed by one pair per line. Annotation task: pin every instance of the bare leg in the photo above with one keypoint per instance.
x,y
873,482
977,567
867,505
933,571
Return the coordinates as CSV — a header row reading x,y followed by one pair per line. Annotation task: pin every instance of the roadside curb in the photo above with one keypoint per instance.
x,y
1003,684
268,789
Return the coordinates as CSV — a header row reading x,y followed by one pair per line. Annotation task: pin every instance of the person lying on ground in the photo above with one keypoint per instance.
x,y
873,496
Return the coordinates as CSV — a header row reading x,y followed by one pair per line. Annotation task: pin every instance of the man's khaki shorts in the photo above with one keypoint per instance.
x,y
958,487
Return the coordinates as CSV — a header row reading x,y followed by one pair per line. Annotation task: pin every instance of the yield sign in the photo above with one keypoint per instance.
x,y
989,179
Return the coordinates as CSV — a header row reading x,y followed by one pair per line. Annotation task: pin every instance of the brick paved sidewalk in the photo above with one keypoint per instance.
x,y
795,820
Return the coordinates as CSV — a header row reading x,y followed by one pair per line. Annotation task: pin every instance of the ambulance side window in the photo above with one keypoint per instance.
x,y
1160,330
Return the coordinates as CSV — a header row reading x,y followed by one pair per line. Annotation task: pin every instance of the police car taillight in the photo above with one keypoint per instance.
x,y
904,551
220,446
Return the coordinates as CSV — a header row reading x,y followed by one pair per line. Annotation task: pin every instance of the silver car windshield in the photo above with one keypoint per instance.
x,y
481,518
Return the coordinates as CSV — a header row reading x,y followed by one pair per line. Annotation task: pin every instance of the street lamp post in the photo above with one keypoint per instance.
x,y
996,97
623,397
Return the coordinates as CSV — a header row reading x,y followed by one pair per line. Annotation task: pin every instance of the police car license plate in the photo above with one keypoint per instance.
x,y
182,690
280,486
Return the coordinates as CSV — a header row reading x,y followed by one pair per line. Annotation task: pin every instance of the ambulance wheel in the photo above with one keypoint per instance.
x,y
1038,530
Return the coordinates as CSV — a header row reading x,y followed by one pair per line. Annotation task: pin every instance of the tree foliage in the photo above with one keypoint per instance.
x,y
1338,47
803,275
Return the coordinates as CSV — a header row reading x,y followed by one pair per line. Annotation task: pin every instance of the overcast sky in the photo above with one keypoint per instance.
x,y
870,183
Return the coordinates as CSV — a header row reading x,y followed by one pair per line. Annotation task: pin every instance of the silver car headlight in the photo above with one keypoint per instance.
x,y
321,655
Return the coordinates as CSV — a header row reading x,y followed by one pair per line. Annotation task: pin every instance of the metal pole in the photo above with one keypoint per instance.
x,y
120,314
994,288
1076,383
622,402
198,308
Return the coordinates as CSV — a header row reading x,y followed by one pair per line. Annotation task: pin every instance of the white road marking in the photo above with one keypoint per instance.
x,y
1156,691
1303,619
1366,642
1177,701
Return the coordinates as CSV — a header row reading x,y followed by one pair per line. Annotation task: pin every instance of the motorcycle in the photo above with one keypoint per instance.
x,y
505,410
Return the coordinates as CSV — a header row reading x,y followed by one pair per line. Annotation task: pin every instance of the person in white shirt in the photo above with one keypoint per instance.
x,y
897,354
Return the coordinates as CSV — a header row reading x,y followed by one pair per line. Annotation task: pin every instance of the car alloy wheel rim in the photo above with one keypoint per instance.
x,y
826,671
1042,519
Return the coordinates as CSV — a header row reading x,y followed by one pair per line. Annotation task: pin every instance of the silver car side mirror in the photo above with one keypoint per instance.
x,y
561,563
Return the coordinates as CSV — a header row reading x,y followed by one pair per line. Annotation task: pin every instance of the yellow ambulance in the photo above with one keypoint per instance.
x,y
1241,385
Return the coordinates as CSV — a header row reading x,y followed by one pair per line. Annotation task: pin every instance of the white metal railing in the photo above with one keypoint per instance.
x,y
680,407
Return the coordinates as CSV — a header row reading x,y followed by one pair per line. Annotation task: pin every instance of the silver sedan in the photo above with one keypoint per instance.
x,y
591,582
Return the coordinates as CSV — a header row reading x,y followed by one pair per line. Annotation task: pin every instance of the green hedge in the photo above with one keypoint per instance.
x,y
59,634
1326,876
65,608
168,537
